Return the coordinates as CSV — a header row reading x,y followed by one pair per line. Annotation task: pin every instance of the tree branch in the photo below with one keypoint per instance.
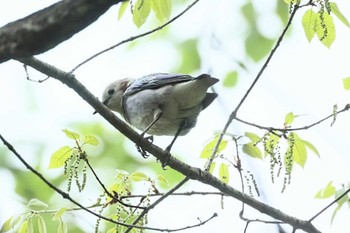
x,y
48,27
187,170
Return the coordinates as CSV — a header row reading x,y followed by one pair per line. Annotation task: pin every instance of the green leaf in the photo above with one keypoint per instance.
x,y
325,29
252,136
224,173
257,46
327,192
346,83
24,227
310,146
71,134
190,59
252,150
335,10
92,140
163,180
231,79
122,9
36,205
309,21
162,9
41,224
60,156
138,176
299,151
7,225
59,214
212,167
62,227
30,228
289,118
141,10
208,149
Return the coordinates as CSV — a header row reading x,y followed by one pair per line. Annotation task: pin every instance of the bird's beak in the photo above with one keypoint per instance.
x,y
105,103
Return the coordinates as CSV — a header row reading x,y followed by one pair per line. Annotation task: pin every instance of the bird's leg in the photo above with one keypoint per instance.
x,y
168,148
157,115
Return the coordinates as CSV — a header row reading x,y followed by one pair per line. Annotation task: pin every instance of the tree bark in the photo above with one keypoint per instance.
x,y
49,27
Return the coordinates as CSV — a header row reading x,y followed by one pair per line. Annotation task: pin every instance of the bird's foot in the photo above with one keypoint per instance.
x,y
167,158
144,153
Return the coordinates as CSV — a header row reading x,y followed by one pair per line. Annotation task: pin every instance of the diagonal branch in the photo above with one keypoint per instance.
x,y
48,27
135,37
233,115
187,170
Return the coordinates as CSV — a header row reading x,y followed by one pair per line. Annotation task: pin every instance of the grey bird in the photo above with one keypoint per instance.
x,y
161,103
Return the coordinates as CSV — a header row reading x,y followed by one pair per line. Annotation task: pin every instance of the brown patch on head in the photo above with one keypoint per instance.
x,y
124,84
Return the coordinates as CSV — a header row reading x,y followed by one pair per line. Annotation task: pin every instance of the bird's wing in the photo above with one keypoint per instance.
x,y
157,80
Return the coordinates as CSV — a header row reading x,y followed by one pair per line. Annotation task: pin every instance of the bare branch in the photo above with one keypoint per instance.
x,y
48,27
134,37
187,170
145,211
284,130
330,204
233,115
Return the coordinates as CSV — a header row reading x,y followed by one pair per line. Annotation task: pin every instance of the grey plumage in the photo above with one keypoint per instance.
x,y
161,103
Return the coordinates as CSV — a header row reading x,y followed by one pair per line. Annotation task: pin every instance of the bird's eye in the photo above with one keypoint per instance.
x,y
111,91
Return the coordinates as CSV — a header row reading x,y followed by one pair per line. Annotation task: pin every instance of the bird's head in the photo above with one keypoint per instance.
x,y
112,95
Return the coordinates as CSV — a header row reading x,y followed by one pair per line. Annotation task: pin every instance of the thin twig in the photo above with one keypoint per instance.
x,y
234,113
330,204
283,130
145,211
192,172
114,197
62,193
135,37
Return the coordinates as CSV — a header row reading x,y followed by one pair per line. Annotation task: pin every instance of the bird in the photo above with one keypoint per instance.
x,y
161,103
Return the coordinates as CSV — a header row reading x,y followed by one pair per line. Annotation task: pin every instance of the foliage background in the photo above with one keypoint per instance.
x,y
212,37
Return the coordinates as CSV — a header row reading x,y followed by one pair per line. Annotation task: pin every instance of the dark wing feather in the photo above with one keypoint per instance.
x,y
157,80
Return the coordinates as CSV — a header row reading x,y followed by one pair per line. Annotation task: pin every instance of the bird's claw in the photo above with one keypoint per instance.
x,y
167,159
144,153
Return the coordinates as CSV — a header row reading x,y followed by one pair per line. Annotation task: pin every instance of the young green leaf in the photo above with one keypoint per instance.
x,y
252,136
36,205
7,225
327,192
289,118
60,156
310,146
346,83
162,9
309,24
41,224
71,134
299,151
252,150
141,10
212,167
338,14
59,214
24,227
325,29
224,173
92,140
62,227
122,9
230,79
208,149
163,180
138,176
